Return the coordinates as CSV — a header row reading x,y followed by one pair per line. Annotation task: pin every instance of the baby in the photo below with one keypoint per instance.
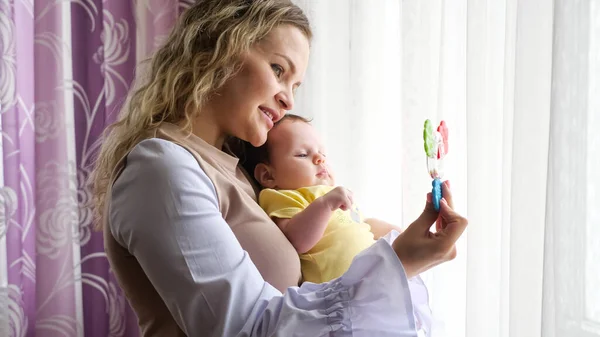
x,y
299,194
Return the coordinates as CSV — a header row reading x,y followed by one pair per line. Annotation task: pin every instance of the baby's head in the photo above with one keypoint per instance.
x,y
293,156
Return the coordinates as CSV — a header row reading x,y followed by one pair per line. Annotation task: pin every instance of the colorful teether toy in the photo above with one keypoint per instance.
x,y
436,148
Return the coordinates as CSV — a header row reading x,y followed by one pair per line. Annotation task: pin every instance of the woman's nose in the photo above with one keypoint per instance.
x,y
285,100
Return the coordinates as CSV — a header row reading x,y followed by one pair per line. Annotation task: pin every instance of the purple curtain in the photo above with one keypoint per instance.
x,y
65,70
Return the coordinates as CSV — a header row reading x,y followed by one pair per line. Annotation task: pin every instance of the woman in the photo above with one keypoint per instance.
x,y
193,252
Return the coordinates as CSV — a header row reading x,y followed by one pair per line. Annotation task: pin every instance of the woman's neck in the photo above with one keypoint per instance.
x,y
209,130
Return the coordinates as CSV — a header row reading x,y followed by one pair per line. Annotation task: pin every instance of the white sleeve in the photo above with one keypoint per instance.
x,y
165,212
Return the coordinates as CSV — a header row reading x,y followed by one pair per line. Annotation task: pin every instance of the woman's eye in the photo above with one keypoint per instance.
x,y
277,69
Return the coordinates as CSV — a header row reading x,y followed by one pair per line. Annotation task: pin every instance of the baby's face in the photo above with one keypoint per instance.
x,y
297,156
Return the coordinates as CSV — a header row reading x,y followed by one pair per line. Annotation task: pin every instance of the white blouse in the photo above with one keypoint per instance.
x,y
211,286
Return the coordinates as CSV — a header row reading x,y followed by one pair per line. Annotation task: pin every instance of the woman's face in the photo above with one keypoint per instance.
x,y
263,91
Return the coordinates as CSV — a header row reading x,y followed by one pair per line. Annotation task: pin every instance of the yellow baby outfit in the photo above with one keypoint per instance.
x,y
343,239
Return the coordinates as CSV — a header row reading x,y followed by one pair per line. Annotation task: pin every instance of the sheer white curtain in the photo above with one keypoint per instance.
x,y
572,252
519,84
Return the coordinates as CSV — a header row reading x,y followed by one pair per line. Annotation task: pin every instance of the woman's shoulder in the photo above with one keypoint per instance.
x,y
156,173
157,161
158,153
158,149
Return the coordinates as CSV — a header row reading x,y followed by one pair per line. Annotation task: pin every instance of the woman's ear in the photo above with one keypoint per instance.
x,y
264,175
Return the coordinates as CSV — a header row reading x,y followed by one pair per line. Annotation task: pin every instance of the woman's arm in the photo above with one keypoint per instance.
x,y
165,212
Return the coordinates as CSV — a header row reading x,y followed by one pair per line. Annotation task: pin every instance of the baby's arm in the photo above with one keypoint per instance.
x,y
380,228
306,228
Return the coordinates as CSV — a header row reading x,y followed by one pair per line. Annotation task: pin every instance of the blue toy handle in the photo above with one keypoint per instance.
x,y
436,191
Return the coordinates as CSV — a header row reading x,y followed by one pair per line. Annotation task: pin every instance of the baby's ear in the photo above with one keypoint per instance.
x,y
264,175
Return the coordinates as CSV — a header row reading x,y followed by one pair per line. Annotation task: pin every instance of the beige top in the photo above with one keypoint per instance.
x,y
271,252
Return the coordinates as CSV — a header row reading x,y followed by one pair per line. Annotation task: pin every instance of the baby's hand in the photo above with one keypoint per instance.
x,y
339,197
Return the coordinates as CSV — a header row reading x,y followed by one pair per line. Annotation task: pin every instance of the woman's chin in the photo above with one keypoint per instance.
x,y
258,140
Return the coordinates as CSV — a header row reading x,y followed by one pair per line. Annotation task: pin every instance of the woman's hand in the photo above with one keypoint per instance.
x,y
418,248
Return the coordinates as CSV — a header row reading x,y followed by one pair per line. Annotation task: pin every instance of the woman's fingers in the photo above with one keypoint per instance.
x,y
418,248
439,225
427,217
455,224
447,193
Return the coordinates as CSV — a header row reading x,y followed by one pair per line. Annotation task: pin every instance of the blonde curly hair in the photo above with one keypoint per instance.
x,y
201,53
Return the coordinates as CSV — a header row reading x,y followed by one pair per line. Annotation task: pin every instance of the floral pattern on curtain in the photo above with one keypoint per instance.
x,y
65,70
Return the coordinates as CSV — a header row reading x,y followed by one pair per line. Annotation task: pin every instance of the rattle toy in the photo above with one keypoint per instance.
x,y
436,148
